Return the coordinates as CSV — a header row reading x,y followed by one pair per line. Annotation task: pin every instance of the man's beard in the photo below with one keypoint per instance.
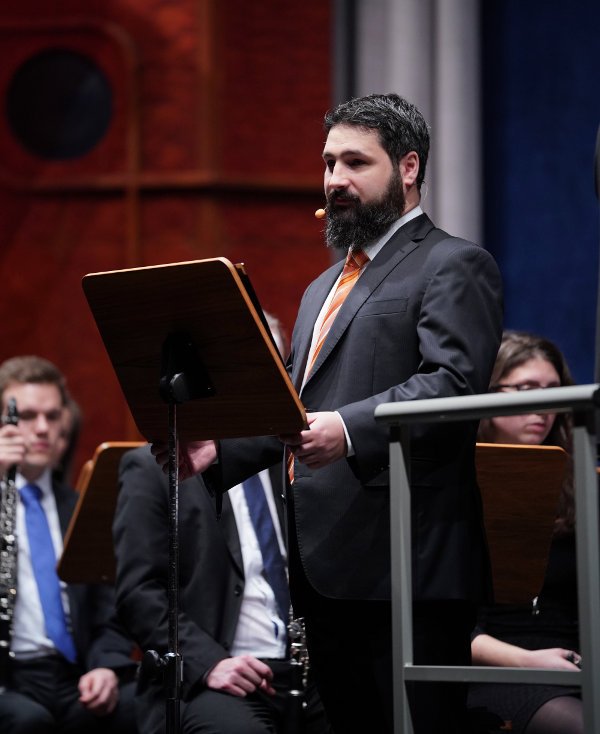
x,y
357,225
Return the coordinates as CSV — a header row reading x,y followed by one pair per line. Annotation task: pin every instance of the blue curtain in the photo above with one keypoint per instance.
x,y
541,111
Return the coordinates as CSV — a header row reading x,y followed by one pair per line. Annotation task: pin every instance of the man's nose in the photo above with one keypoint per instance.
x,y
338,178
41,424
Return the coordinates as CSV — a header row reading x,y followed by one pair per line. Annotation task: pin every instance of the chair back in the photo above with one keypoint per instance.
x,y
88,555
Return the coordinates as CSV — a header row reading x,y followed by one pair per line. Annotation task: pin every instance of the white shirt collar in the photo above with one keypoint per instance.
x,y
44,482
373,249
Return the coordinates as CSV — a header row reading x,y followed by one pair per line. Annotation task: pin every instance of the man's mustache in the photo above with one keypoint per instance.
x,y
344,196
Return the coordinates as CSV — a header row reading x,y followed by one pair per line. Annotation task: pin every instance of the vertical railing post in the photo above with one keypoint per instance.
x,y
588,555
401,572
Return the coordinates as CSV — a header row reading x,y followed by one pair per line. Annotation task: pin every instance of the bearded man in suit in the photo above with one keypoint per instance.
x,y
415,313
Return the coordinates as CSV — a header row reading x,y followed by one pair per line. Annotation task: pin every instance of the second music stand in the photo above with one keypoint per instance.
x,y
193,336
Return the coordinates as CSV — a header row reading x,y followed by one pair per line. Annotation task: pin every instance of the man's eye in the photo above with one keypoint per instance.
x,y
330,165
28,416
356,163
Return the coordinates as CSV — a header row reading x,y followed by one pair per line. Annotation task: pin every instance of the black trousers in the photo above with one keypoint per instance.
x,y
350,648
213,712
42,696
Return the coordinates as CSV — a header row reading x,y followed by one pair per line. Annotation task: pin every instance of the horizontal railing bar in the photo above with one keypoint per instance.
x,y
474,407
482,674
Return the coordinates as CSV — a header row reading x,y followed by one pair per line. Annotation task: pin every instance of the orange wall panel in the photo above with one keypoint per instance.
x,y
213,149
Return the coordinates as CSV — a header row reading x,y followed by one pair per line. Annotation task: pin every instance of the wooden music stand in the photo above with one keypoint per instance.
x,y
520,487
212,303
88,556
195,359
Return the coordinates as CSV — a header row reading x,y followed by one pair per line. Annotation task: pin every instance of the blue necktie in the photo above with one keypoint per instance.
x,y
273,562
43,562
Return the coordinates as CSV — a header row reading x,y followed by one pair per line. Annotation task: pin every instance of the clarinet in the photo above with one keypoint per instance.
x,y
295,713
8,554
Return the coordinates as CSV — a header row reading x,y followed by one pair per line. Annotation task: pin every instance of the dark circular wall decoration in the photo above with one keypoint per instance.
x,y
59,104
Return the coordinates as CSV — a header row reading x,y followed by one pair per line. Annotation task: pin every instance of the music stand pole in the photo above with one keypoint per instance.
x,y
597,335
170,666
183,377
173,659
597,188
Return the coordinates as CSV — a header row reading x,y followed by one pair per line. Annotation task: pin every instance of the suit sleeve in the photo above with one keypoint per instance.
x,y
110,646
141,546
459,324
240,458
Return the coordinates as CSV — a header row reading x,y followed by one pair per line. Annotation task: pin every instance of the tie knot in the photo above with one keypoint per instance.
x,y
355,260
30,493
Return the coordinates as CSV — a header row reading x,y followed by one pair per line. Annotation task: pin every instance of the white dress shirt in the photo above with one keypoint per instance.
x,y
29,639
260,631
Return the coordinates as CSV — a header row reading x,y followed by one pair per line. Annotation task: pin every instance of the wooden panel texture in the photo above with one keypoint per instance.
x,y
213,149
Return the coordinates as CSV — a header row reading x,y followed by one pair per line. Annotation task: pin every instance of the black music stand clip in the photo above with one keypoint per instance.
x,y
183,373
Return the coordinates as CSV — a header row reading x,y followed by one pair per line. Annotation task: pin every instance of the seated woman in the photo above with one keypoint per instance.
x,y
544,634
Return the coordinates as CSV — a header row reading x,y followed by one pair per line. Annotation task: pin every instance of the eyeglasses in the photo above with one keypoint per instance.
x,y
519,387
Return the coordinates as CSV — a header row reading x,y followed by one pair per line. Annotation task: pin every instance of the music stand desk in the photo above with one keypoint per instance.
x,y
88,556
211,302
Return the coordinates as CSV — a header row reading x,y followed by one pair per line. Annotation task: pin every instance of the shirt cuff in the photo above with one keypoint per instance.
x,y
349,449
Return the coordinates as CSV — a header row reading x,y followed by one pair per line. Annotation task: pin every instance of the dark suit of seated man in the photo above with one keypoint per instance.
x,y
70,667
231,635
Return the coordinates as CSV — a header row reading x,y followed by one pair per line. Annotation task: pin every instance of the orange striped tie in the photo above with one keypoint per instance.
x,y
355,261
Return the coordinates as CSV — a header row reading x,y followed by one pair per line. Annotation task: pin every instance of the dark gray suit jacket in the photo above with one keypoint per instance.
x,y
423,321
211,571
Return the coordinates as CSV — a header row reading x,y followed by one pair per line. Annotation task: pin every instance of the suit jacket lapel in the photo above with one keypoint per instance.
x,y
76,593
277,485
311,310
401,244
230,533
228,524
65,504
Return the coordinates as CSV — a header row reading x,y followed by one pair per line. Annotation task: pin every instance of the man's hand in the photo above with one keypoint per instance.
x,y
322,444
240,675
12,448
99,691
194,457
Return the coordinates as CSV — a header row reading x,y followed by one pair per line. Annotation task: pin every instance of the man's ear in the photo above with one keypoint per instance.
x,y
409,168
